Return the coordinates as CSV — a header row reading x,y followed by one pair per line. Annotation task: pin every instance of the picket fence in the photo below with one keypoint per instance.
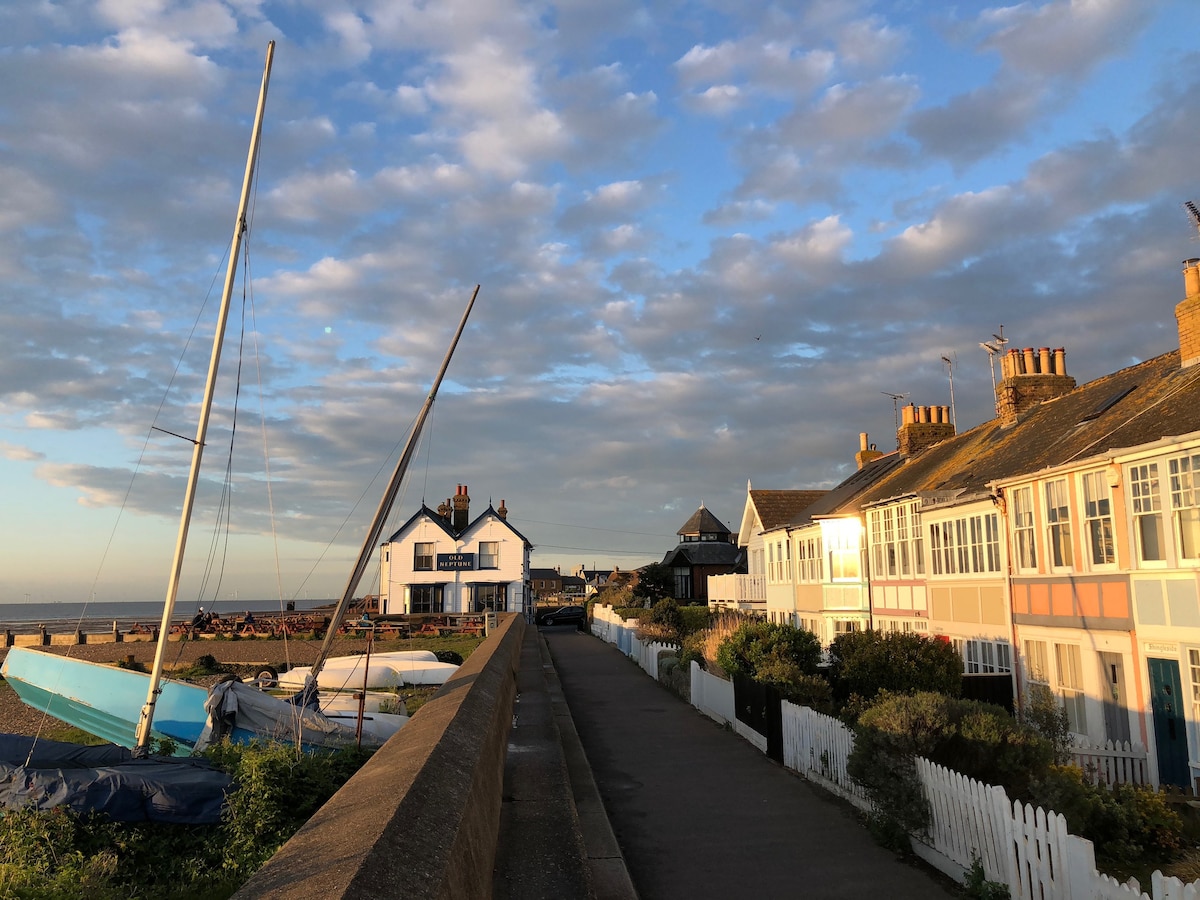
x,y
1112,762
1029,850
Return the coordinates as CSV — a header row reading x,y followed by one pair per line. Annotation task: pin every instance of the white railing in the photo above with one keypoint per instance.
x,y
1111,762
737,590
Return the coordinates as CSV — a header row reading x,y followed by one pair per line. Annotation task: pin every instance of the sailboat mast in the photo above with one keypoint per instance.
x,y
385,504
143,735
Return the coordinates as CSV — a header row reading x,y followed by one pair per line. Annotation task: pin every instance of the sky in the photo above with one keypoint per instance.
x,y
714,240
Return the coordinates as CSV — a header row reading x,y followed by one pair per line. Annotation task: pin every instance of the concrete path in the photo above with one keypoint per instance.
x,y
698,812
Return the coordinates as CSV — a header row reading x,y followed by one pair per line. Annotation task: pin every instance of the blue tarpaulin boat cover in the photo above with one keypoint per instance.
x,y
108,780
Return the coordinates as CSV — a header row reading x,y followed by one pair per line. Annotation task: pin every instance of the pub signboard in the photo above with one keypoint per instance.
x,y
447,562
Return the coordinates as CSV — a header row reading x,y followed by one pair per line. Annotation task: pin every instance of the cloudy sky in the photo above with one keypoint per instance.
x,y
712,238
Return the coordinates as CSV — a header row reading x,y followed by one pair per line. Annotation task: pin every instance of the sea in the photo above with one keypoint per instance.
x,y
59,617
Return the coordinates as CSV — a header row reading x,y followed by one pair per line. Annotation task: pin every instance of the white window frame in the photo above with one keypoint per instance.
x,y
810,559
987,657
1145,491
1184,474
1060,548
429,557
1024,530
1098,520
1068,664
489,560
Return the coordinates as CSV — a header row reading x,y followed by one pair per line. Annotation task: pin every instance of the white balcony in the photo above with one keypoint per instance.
x,y
745,592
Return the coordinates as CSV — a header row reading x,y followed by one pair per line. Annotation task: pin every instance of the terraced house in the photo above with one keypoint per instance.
x,y
1058,543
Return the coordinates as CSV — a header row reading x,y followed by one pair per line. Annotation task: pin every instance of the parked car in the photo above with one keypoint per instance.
x,y
564,615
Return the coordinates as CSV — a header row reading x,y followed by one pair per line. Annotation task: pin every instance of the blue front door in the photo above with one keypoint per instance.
x,y
1170,735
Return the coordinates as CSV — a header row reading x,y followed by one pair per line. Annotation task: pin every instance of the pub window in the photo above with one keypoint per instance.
x,y
423,557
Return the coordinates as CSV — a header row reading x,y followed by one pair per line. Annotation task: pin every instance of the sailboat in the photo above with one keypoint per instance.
x,y
104,700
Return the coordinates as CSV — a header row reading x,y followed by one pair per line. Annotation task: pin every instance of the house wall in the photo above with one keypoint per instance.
x,y
398,576
1072,607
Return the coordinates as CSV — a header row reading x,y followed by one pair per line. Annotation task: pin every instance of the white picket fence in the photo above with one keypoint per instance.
x,y
1029,850
817,747
1111,762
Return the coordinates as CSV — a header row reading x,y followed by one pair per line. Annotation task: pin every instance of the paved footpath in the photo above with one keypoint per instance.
x,y
698,812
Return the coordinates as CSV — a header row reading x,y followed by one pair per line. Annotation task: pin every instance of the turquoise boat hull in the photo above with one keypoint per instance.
x,y
104,700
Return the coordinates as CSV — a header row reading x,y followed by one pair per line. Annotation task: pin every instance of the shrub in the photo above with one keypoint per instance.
x,y
812,691
694,618
692,649
868,662
979,740
663,622
1042,712
779,655
1128,824
60,853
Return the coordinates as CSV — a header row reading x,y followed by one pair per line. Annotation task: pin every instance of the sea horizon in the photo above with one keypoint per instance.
x,y
148,612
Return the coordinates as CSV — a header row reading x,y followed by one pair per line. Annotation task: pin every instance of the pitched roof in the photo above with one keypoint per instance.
x,y
1137,405
851,489
423,513
426,513
703,522
775,508
703,553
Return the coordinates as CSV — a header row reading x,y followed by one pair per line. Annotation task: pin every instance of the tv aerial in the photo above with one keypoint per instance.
x,y
949,364
994,348
896,398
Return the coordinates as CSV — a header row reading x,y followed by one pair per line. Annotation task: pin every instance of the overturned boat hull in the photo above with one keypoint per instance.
x,y
386,670
104,701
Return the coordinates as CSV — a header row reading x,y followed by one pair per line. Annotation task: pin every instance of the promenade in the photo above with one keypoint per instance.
x,y
697,811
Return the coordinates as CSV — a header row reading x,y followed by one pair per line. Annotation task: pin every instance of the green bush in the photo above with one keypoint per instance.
x,y
663,622
692,650
772,653
1043,713
694,618
1128,824
810,690
864,663
977,739
62,854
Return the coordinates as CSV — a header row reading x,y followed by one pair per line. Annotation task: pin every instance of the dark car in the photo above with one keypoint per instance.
x,y
564,615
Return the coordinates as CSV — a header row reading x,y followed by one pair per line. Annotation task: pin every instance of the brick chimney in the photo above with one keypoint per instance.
x,y
444,509
1029,378
923,426
1187,314
462,504
865,453
502,512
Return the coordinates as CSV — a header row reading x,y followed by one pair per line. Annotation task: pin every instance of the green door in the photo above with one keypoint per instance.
x,y
1170,735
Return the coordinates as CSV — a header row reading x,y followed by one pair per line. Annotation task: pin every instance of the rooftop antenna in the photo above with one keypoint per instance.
x,y
1193,212
896,398
994,348
950,368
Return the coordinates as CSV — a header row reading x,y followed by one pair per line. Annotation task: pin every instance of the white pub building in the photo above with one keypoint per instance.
x,y
443,562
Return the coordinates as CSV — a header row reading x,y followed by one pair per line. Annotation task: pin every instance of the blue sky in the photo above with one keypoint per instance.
x,y
712,238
